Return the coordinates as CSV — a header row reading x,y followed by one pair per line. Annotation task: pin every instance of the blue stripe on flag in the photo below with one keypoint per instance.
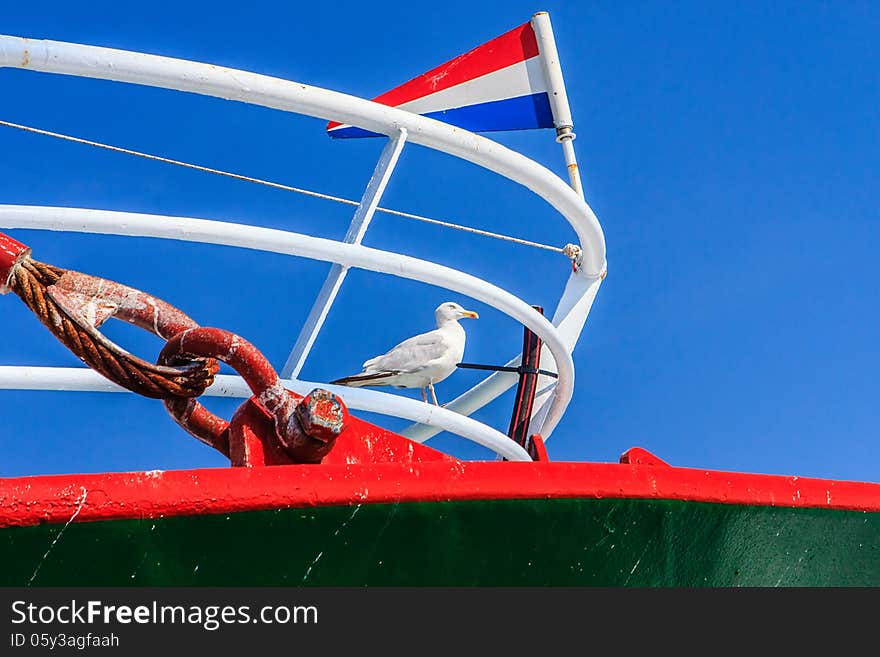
x,y
521,113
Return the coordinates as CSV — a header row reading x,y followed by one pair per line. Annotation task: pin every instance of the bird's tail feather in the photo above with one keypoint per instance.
x,y
364,379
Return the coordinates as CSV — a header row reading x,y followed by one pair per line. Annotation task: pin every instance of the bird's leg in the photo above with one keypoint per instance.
x,y
424,395
433,394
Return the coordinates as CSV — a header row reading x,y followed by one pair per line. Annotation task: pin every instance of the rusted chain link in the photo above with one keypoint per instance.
x,y
275,426
45,289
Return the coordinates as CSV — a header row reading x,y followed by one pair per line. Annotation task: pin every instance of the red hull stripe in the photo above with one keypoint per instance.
x,y
114,496
515,46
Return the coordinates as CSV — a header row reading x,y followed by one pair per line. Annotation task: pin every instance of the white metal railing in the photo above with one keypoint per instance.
x,y
231,84
351,255
559,336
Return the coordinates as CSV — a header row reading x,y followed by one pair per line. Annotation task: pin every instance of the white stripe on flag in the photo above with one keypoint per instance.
x,y
520,79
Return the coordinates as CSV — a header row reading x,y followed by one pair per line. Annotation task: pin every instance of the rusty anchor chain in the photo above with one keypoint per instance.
x,y
275,426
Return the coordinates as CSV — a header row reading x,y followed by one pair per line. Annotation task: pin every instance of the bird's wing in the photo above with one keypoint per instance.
x,y
410,355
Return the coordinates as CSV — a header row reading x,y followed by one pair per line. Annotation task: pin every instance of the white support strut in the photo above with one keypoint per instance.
x,y
359,224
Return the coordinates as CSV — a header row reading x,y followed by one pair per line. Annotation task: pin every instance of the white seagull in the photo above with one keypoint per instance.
x,y
422,360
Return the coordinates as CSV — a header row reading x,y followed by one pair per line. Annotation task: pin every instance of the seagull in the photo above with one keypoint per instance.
x,y
422,360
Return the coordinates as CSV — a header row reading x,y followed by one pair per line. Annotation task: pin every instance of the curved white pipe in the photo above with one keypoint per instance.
x,y
153,70
81,379
277,241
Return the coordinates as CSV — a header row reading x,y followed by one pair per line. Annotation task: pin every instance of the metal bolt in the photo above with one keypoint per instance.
x,y
321,415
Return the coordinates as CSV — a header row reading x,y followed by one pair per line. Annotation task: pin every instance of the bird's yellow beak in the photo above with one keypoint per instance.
x,y
470,313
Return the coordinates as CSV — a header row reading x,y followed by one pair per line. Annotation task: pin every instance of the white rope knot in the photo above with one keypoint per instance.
x,y
574,253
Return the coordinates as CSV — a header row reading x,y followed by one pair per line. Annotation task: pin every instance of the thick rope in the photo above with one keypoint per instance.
x,y
298,190
29,281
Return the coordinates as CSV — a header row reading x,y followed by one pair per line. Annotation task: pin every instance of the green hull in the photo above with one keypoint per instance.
x,y
500,542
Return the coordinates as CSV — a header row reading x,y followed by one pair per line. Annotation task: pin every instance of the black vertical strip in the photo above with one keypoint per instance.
x,y
525,391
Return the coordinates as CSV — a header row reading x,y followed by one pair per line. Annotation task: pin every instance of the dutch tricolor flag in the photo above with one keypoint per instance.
x,y
500,85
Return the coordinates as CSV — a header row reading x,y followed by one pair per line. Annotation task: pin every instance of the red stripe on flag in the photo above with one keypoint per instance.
x,y
511,47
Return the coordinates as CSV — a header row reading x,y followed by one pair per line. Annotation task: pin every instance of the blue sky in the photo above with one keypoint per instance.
x,y
730,152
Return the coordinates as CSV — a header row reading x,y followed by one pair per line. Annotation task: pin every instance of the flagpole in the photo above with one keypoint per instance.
x,y
562,120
